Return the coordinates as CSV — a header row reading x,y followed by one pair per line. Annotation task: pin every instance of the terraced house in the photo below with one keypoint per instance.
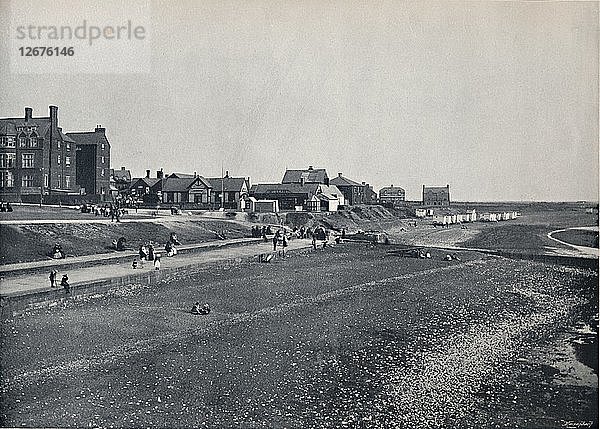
x,y
93,162
36,158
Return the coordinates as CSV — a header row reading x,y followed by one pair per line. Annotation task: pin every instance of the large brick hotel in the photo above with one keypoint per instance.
x,y
37,159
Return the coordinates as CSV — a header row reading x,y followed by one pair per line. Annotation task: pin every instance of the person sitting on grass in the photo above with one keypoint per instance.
x,y
57,252
65,283
198,309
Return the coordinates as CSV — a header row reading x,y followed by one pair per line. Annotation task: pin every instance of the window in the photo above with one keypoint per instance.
x,y
46,183
67,181
67,161
102,147
33,140
10,141
27,181
67,145
22,140
101,160
102,172
7,180
58,181
7,160
27,160
58,144
58,159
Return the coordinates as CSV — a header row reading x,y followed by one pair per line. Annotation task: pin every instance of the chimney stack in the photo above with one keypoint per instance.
x,y
122,168
159,174
54,115
227,173
147,174
28,113
100,129
310,167
339,174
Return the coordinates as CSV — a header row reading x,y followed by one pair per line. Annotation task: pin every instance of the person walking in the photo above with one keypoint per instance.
x,y
52,278
275,238
284,245
157,262
65,283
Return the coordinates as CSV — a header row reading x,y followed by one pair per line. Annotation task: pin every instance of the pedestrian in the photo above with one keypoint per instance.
x,y
134,264
157,262
284,245
65,283
275,238
314,240
52,278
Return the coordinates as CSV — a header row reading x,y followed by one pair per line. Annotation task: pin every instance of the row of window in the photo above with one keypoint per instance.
x,y
24,141
7,180
7,160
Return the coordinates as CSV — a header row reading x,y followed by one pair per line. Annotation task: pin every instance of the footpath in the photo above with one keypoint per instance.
x,y
36,285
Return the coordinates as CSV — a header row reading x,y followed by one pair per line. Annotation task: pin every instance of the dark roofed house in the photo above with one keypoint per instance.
x,y
392,195
296,196
180,190
354,192
436,195
310,175
234,189
120,179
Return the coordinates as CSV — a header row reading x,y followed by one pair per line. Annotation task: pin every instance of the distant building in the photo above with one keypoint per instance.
x,y
120,179
393,195
310,175
354,192
234,189
436,195
93,161
196,190
36,157
298,197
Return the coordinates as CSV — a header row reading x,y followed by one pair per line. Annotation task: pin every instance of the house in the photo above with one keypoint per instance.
x,y
354,193
93,161
436,195
392,195
310,175
147,189
121,179
420,213
36,158
180,190
298,197
234,190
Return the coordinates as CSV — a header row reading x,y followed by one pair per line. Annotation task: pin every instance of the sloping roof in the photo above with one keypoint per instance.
x,y
315,175
330,190
66,137
285,188
180,176
91,137
229,184
149,181
343,181
435,189
124,175
182,184
8,126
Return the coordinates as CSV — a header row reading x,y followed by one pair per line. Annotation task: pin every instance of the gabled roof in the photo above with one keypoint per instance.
x,y
182,184
148,181
311,175
229,184
330,190
390,191
123,175
8,126
344,181
65,137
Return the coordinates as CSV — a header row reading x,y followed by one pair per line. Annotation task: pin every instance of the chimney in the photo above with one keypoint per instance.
x,y
122,168
227,173
310,168
339,174
147,174
363,183
54,115
28,113
159,174
100,129
195,174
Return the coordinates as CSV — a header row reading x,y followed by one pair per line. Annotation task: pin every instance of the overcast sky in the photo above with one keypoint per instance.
x,y
497,99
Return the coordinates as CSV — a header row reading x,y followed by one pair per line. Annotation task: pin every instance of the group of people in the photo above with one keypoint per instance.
x,y
280,238
200,309
57,252
119,244
261,231
5,207
107,210
64,283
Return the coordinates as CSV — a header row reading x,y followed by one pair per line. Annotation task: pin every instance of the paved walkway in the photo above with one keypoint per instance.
x,y
26,284
580,250
82,260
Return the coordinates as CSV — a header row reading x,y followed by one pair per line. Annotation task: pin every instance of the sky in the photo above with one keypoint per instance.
x,y
497,99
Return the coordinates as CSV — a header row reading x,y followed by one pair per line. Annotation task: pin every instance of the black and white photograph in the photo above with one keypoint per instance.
x,y
299,214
